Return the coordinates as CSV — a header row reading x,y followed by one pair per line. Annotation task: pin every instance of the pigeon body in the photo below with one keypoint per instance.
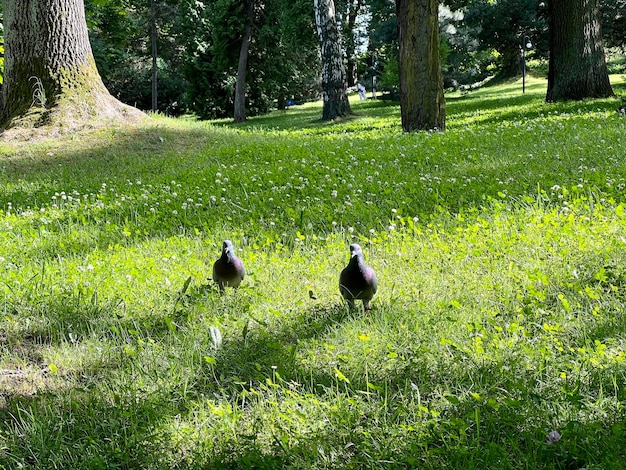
x,y
228,270
358,280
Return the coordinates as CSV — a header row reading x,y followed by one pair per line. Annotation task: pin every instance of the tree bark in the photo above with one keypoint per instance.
x,y
334,86
240,84
50,76
353,8
577,68
422,104
155,69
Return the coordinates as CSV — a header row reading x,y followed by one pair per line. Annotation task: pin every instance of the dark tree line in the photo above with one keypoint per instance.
x,y
200,53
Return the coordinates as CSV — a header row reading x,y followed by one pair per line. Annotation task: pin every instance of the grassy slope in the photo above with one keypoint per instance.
x,y
499,245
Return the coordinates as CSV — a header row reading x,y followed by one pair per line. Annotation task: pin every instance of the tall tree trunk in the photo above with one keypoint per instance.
x,y
153,40
334,84
50,76
351,38
242,67
422,105
577,68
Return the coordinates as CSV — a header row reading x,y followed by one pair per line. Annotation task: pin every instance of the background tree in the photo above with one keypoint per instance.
x,y
422,104
242,66
199,45
154,37
382,51
287,58
577,67
613,16
120,32
334,85
501,25
283,60
1,46
348,12
49,68
464,57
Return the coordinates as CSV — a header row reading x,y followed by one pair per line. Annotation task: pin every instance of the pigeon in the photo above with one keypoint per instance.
x,y
357,280
228,270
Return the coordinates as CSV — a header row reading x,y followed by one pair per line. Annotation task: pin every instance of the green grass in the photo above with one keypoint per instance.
x,y
500,248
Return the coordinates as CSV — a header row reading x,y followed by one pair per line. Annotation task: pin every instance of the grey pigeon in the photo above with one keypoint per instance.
x,y
228,270
358,280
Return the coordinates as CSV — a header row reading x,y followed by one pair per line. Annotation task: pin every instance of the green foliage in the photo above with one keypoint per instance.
x,y
496,339
501,26
283,59
120,39
613,16
389,79
199,45
616,63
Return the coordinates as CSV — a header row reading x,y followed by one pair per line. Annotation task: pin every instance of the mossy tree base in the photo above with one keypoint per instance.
x,y
50,76
81,101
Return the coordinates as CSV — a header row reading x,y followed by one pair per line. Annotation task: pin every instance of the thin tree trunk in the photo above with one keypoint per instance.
x,y
577,68
422,105
354,7
153,38
50,76
334,86
240,85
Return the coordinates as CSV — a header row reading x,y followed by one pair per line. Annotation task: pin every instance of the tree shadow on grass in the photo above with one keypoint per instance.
x,y
81,429
121,428
125,425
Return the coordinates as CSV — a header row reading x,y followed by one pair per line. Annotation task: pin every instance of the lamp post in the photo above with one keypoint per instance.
x,y
526,44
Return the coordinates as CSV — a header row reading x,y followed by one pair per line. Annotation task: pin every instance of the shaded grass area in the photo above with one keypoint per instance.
x,y
499,246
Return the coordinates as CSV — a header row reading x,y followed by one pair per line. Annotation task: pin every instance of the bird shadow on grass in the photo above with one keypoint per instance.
x,y
271,343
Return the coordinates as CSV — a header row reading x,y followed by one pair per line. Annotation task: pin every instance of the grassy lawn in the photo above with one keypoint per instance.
x,y
497,338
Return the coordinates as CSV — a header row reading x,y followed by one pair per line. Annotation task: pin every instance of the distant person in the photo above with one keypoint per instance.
x,y
361,90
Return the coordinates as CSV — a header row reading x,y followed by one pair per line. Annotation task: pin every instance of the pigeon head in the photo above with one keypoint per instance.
x,y
227,246
355,250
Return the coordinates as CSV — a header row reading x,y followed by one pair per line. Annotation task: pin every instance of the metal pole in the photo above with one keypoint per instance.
x,y
523,68
526,44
